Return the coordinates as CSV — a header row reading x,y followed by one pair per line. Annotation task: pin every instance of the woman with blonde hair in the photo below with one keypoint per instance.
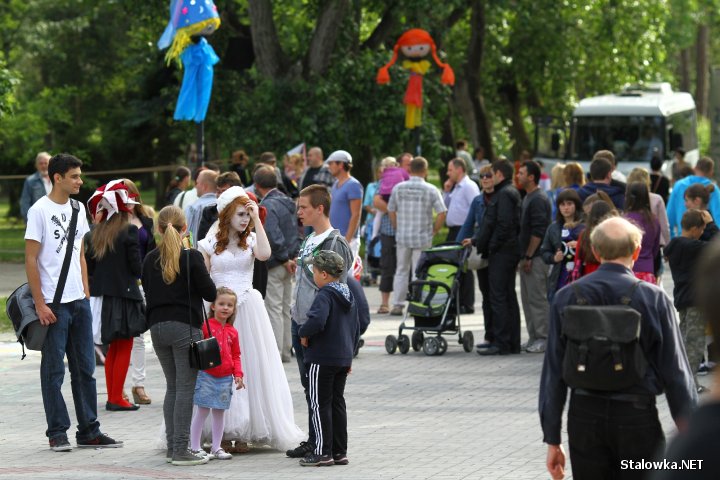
x,y
263,413
557,184
176,281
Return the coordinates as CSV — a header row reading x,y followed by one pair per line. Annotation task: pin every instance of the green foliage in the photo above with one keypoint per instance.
x,y
95,84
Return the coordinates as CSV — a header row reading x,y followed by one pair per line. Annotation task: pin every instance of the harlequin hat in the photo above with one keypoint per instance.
x,y
187,18
110,199
416,36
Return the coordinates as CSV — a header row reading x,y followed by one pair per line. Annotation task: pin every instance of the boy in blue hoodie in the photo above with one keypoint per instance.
x,y
329,336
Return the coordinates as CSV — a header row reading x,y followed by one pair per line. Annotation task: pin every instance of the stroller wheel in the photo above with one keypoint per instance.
x,y
404,344
442,345
417,340
391,344
468,341
430,346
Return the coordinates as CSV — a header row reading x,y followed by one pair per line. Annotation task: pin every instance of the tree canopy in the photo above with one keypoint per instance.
x,y
85,76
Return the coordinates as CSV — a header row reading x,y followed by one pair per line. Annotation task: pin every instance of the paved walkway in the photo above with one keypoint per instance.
x,y
410,416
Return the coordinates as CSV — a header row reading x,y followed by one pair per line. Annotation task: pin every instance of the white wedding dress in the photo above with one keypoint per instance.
x,y
262,413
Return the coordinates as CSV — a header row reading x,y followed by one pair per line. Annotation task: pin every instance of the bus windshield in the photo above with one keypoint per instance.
x,y
630,138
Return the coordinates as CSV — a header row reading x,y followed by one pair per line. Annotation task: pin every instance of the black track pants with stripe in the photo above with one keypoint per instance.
x,y
326,387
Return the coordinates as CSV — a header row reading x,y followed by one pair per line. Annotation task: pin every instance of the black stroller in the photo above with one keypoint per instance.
x,y
433,303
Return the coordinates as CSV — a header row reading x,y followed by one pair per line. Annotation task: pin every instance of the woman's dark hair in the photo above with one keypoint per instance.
x,y
656,163
637,199
698,190
568,195
598,212
180,174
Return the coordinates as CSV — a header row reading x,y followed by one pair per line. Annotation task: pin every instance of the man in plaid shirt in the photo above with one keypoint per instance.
x,y
410,210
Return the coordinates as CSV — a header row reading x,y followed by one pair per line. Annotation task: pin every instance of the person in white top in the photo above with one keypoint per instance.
x,y
459,192
70,322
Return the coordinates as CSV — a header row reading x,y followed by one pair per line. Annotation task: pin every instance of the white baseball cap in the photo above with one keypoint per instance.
x,y
339,156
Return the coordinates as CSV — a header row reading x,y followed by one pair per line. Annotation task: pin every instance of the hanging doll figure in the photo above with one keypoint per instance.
x,y
191,21
415,45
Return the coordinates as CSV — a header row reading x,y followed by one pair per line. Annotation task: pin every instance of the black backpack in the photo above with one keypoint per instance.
x,y
602,344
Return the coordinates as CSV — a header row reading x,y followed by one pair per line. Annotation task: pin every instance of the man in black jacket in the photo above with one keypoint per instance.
x,y
498,242
281,227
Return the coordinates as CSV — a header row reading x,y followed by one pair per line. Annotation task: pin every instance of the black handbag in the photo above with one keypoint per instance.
x,y
20,307
204,354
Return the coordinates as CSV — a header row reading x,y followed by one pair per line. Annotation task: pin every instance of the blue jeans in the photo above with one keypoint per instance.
x,y
71,335
303,368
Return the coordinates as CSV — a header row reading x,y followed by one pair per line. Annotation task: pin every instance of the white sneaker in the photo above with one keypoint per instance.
x,y
221,454
202,453
538,346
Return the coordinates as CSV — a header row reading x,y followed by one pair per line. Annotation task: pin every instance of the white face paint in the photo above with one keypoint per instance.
x,y
240,219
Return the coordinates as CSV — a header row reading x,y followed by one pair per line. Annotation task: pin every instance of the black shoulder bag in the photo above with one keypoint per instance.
x,y
20,307
204,354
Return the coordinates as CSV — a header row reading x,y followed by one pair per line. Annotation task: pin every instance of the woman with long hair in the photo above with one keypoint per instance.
x,y
637,210
263,413
574,175
561,238
176,281
142,217
113,261
178,183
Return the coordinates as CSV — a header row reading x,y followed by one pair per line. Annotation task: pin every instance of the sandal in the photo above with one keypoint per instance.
x,y
383,310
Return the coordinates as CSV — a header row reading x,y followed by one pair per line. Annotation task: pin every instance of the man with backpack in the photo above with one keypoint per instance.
x,y
615,341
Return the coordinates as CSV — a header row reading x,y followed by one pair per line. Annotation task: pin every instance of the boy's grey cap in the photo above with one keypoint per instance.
x,y
328,261
339,156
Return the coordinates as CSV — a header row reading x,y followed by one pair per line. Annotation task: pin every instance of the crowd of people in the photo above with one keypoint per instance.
x,y
271,255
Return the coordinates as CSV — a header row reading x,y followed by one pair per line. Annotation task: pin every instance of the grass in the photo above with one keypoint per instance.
x,y
5,324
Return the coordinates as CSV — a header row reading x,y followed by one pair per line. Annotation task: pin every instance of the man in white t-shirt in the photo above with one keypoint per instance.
x,y
70,322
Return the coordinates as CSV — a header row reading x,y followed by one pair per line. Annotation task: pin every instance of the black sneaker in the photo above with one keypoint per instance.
x,y
101,441
60,444
301,450
313,460
340,459
188,459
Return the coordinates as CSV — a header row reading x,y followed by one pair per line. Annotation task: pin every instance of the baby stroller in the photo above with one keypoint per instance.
x,y
433,303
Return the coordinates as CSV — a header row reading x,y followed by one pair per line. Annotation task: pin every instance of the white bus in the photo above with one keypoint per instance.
x,y
635,124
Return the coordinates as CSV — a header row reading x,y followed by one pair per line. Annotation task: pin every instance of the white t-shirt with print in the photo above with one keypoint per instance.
x,y
48,223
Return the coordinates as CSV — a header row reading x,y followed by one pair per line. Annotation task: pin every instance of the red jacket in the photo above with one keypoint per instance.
x,y
229,342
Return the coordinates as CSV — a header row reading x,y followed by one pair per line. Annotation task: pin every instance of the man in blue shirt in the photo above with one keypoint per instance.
x,y
607,427
346,193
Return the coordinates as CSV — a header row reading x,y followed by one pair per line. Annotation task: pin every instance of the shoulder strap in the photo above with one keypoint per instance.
x,y
207,323
626,299
57,299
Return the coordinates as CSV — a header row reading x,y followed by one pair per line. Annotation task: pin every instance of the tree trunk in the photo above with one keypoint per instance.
x,y
511,95
269,56
473,73
702,78
326,33
384,29
684,73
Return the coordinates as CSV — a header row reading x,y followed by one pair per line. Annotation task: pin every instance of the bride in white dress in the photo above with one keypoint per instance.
x,y
263,412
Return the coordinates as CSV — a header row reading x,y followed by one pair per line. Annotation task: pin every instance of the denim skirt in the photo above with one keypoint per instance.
x,y
213,392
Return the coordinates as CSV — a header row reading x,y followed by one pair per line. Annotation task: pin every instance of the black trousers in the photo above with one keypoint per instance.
x,y
388,262
467,284
484,284
327,401
603,432
503,302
